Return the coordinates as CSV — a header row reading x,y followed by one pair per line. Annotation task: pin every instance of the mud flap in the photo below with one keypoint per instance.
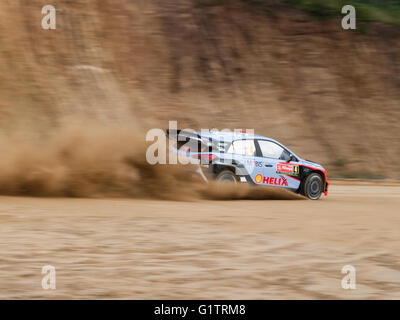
x,y
200,172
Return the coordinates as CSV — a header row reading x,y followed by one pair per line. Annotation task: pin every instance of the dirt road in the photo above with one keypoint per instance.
x,y
137,249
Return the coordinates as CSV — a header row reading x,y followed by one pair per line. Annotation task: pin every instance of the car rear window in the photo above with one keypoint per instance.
x,y
243,147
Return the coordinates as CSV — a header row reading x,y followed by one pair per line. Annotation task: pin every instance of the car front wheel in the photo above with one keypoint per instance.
x,y
313,186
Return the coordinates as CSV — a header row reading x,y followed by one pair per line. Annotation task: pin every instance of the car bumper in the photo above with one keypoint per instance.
x,y
326,187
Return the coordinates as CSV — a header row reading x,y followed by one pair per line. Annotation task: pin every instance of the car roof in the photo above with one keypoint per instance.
x,y
230,136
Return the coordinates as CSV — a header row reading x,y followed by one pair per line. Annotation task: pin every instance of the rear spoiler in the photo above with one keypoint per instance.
x,y
186,136
177,132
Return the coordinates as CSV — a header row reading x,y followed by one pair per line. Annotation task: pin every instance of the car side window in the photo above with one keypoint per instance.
x,y
272,150
243,147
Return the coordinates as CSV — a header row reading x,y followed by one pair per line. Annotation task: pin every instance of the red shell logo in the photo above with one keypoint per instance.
x,y
258,178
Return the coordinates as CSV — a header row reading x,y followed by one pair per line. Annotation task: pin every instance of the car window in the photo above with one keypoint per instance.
x,y
270,149
243,147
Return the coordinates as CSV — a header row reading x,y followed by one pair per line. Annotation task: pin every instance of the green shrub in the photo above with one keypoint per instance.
x,y
385,11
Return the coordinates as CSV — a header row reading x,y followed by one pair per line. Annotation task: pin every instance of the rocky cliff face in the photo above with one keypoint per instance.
x,y
331,95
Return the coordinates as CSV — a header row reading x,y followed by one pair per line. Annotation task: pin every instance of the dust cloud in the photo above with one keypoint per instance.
x,y
92,160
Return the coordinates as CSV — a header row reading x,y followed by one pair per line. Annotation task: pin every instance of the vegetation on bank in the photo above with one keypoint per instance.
x,y
385,11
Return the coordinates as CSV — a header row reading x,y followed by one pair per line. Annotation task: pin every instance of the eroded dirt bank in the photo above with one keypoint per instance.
x,y
142,249
330,95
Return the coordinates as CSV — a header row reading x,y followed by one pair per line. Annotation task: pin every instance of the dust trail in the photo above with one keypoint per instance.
x,y
214,191
104,161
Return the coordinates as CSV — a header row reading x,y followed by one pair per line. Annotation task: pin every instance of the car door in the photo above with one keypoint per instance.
x,y
244,151
277,171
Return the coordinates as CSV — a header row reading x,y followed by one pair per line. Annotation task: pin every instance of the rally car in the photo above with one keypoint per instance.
x,y
249,158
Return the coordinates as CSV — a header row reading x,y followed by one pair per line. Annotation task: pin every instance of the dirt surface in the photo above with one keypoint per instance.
x,y
76,103
142,249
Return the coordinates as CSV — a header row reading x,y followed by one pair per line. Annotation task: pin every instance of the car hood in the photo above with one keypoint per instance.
x,y
311,164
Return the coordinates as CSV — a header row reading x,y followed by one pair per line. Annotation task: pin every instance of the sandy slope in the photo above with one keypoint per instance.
x,y
123,248
328,94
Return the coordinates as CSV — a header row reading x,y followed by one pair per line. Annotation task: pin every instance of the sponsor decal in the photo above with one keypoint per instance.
x,y
249,163
253,163
289,169
271,181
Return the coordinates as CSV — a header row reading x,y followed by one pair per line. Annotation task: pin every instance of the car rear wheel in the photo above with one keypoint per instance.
x,y
227,176
313,186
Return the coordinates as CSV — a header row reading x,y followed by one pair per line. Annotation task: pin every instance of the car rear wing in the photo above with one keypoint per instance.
x,y
193,142
172,133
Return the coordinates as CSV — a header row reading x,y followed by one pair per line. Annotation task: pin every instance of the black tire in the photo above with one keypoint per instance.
x,y
226,176
313,186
